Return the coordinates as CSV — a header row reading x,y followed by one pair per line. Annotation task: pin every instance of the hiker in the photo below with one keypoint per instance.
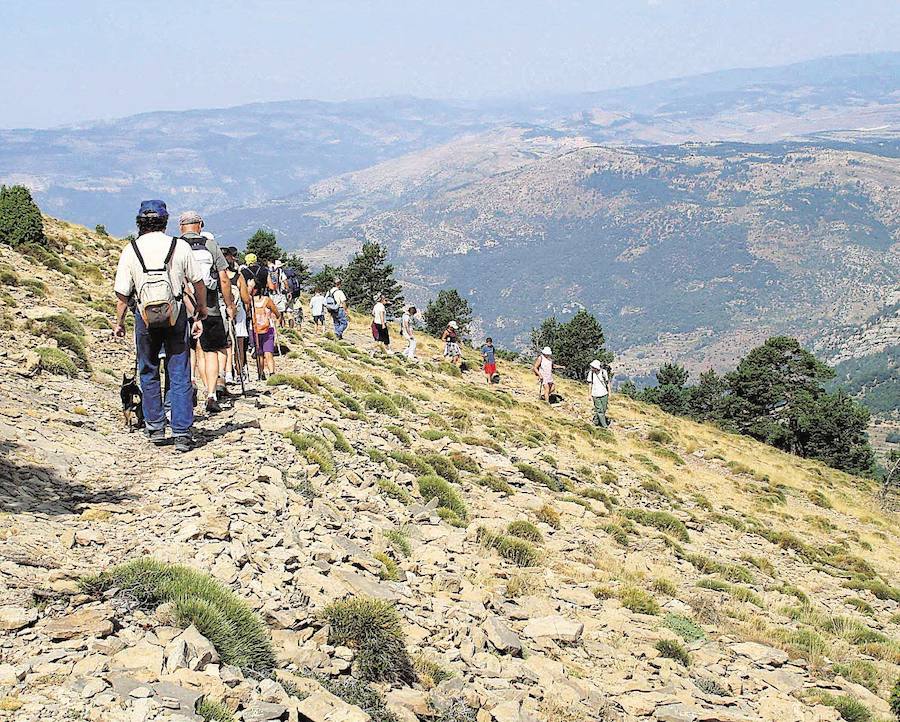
x,y
255,274
212,346
278,294
379,323
489,359
317,310
543,369
336,304
450,337
292,289
598,378
157,268
237,363
265,317
407,332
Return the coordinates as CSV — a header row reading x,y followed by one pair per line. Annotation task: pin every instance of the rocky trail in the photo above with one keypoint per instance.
x,y
540,569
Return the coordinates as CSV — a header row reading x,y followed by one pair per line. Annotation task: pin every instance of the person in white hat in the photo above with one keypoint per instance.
x,y
450,337
598,378
543,369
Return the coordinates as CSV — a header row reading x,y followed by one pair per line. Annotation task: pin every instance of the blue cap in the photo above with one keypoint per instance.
x,y
151,209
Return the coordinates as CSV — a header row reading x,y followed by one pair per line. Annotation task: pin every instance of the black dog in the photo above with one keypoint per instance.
x,y
131,403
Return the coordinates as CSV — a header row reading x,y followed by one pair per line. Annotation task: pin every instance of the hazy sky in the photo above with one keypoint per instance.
x,y
65,61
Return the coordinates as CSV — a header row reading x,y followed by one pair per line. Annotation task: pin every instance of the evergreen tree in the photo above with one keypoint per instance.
x,y
448,306
575,343
100,230
20,218
706,400
324,279
264,245
671,374
367,276
833,429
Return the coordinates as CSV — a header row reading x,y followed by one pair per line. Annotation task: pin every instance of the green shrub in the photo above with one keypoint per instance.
x,y
859,671
37,288
655,487
534,474
382,403
861,605
485,443
638,601
8,277
212,711
73,343
731,572
665,586
377,455
701,501
518,551
442,466
875,586
389,569
307,383
733,590
357,692
412,462
340,441
399,540
64,321
525,530
394,490
404,402
316,450
895,700
236,631
818,498
449,369
708,685
430,673
592,492
402,436
435,434
850,709
662,520
464,462
348,402
617,533
495,483
684,627
659,436
435,487
373,628
673,649
56,361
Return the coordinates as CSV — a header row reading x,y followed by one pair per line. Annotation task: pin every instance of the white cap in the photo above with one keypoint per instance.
x,y
595,364
546,351
207,234
453,324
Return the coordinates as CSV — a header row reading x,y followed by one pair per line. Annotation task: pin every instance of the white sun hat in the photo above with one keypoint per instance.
x,y
546,351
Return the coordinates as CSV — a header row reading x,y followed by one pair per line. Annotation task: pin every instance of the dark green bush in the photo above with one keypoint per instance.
x,y
534,474
431,487
382,403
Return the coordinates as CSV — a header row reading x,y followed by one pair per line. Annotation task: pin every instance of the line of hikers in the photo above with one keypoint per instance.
x,y
200,313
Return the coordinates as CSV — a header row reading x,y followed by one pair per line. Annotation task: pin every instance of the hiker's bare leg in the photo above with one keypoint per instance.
x,y
211,370
270,362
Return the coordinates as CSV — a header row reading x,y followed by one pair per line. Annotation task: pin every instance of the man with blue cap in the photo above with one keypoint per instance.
x,y
156,270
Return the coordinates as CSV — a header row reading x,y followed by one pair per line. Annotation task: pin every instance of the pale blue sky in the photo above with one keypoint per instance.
x,y
71,60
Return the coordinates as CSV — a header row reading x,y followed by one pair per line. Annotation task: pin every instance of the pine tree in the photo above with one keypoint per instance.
x,y
299,268
264,245
324,279
367,276
575,343
20,218
448,306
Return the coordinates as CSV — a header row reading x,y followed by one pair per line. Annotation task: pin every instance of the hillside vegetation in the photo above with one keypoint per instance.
x,y
363,538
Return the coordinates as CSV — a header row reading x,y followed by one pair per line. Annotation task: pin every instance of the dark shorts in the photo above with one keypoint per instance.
x,y
319,320
214,337
267,341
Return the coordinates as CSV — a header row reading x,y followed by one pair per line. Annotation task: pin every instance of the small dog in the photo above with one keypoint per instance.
x,y
131,403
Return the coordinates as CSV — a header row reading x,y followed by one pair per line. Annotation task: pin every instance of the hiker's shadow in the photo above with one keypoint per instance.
x,y
206,434
30,488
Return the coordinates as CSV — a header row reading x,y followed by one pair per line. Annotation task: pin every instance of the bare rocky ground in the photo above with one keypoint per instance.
x,y
680,574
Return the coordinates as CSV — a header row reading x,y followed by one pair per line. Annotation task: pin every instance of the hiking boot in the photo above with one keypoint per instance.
x,y
222,393
183,443
212,406
157,436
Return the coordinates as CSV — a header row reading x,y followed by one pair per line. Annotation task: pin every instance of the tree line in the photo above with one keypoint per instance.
x,y
777,393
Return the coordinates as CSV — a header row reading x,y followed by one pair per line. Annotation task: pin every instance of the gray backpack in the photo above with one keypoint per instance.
x,y
156,299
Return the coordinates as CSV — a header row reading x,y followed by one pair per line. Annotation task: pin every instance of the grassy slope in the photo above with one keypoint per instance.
x,y
702,476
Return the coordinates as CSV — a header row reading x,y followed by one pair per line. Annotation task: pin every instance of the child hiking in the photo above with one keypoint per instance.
x,y
489,360
265,317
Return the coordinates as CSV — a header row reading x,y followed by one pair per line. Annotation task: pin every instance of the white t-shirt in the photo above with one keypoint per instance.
x,y
340,298
317,305
406,329
599,381
379,314
154,247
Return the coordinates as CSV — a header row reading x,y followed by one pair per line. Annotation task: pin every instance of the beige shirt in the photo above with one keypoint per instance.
x,y
154,247
379,314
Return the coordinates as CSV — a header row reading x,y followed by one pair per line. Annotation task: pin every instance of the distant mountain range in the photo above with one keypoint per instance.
x,y
693,216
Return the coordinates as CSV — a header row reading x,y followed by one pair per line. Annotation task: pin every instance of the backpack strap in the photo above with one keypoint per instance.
x,y
137,252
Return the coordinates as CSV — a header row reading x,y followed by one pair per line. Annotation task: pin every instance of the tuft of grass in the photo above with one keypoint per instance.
x,y
592,492
36,288
638,601
859,671
56,361
742,594
307,383
484,443
412,462
464,462
340,441
549,516
389,569
374,629
399,540
655,487
728,520
662,520
849,708
449,369
673,649
212,711
861,605
684,627
442,466
764,565
518,551
392,489
532,473
708,685
435,434
403,402
348,402
877,587
235,630
524,529
402,436
818,498
435,487
731,572
430,673
65,322
701,501
661,585
316,451
74,344
660,436
619,534
895,700
495,483
382,403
